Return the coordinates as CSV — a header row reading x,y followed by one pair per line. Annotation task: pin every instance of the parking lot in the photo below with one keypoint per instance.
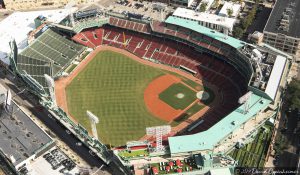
x,y
156,11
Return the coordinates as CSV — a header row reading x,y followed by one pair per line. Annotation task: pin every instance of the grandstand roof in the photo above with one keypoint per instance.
x,y
19,24
206,140
275,76
195,26
204,17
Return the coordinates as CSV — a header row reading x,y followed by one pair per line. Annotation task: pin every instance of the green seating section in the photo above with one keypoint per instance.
x,y
49,54
89,23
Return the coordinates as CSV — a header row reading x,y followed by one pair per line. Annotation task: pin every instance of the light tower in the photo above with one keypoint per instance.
x,y
245,99
8,99
51,87
159,131
94,120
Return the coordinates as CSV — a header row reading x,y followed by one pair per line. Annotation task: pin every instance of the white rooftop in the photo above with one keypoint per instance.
x,y
19,24
220,171
230,5
275,76
204,17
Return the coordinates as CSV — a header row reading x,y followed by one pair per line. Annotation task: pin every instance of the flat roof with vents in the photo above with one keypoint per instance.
x,y
285,18
20,137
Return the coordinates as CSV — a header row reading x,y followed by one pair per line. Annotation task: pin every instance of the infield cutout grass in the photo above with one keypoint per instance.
x,y
170,97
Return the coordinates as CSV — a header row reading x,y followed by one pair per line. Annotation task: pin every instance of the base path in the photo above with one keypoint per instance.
x,y
155,105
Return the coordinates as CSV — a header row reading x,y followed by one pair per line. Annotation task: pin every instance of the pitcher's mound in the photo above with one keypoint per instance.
x,y
180,95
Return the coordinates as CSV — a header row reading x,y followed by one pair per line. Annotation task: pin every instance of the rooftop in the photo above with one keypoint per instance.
x,y
275,77
19,24
208,139
285,18
230,5
20,136
205,17
269,66
223,171
195,26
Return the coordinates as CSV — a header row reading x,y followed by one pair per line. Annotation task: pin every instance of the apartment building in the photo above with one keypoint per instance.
x,y
282,30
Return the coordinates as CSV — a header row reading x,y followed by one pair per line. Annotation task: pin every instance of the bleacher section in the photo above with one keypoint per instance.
x,y
89,23
49,54
176,54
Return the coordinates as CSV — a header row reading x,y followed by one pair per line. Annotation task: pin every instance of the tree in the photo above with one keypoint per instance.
x,y
229,12
238,32
245,23
293,95
203,7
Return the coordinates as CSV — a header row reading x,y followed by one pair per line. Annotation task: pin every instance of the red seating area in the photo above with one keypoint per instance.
x,y
187,34
80,38
91,37
171,53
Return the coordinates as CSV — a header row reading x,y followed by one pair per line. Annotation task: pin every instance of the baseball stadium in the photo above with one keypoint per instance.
x,y
211,90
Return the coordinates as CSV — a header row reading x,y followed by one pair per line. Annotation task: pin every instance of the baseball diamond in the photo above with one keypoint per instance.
x,y
118,97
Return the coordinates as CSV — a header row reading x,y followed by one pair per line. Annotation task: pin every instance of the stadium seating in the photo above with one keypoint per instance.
x,y
177,54
49,54
130,25
191,36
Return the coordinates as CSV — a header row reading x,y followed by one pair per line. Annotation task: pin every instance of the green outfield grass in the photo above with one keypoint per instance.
x,y
112,87
170,97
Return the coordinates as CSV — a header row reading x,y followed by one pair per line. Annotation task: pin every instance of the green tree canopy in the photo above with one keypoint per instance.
x,y
229,12
294,94
238,32
203,7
